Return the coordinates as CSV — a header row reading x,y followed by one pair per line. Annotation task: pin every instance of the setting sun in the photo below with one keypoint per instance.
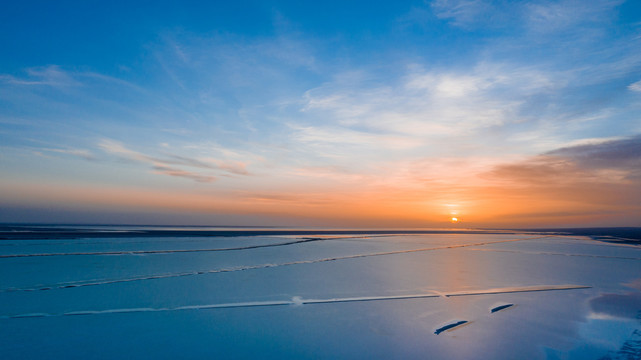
x,y
454,220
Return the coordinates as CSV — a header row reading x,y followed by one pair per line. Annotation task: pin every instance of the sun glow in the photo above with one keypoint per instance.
x,y
454,220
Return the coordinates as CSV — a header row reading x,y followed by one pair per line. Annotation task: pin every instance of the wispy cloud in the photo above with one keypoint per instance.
x,y
233,167
117,148
48,152
191,60
51,75
542,16
463,12
336,136
166,165
57,76
82,153
166,170
548,16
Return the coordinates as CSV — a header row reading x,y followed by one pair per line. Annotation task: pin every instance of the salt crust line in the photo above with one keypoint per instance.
x,y
559,254
74,284
296,300
127,241
117,241
144,252
171,251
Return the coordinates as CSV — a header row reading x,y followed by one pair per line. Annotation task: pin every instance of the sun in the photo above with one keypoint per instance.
x,y
454,220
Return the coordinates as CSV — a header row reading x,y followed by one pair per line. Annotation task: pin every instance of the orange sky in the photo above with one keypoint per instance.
x,y
535,192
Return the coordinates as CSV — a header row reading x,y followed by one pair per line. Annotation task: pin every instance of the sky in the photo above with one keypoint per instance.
x,y
333,113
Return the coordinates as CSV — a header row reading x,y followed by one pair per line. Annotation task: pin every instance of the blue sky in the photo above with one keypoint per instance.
x,y
317,113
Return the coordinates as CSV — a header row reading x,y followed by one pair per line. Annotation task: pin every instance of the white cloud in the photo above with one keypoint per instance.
x,y
635,86
431,104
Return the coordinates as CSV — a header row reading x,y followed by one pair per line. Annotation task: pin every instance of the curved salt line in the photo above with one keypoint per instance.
x,y
558,254
145,252
74,284
298,301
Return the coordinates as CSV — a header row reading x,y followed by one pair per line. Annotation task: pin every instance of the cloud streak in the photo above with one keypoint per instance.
x,y
166,170
541,16
166,166
82,153
51,75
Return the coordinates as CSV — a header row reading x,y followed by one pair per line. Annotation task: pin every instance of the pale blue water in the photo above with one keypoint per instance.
x,y
196,297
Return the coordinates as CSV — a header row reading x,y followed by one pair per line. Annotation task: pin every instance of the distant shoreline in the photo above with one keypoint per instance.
x,y
630,235
610,234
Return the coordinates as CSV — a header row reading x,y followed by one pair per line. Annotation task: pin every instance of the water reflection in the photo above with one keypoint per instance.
x,y
624,306
612,330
